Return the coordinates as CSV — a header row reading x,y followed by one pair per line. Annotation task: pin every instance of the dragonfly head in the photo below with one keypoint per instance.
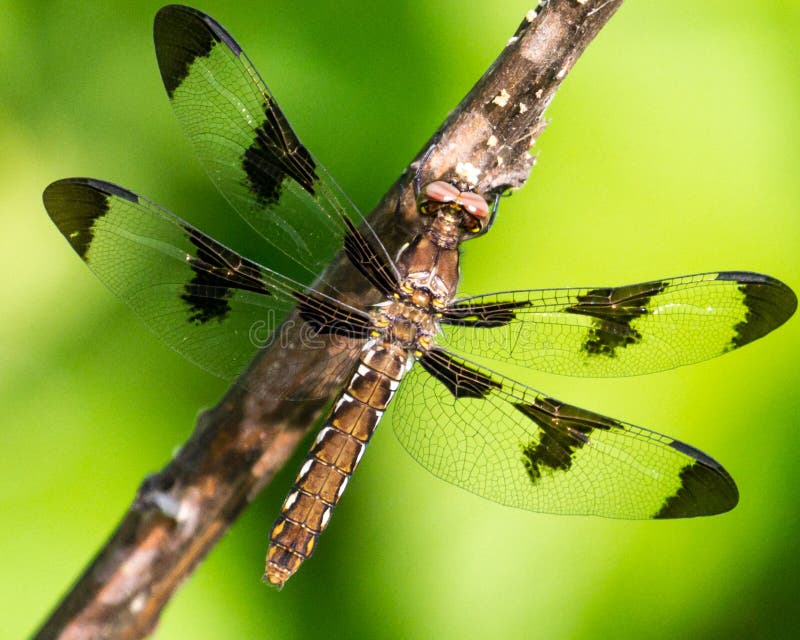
x,y
466,210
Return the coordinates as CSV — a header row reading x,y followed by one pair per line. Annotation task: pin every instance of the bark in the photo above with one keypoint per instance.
x,y
181,512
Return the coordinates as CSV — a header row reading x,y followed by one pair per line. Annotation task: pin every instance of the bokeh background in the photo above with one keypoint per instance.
x,y
673,149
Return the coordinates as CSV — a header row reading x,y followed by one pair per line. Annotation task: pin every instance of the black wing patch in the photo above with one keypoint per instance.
x,y
485,315
461,380
217,272
769,303
325,316
613,311
370,263
564,429
176,24
696,479
269,161
76,209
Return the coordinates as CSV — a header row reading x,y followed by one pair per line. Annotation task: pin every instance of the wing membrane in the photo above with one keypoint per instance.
x,y
246,144
511,444
629,330
204,300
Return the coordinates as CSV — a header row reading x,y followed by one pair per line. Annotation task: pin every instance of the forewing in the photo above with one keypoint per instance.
x,y
511,444
204,300
629,330
246,144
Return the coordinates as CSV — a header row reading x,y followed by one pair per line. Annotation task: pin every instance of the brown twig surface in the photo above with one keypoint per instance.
x,y
181,512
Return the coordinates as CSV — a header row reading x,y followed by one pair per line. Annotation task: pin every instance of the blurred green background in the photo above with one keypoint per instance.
x,y
673,149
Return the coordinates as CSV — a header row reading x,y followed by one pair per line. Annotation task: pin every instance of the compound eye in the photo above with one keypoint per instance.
x,y
476,211
437,192
474,204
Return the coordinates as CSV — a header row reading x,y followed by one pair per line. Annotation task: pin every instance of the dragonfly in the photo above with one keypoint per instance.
x,y
418,347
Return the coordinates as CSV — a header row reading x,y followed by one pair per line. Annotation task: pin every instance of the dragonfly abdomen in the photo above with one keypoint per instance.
x,y
333,457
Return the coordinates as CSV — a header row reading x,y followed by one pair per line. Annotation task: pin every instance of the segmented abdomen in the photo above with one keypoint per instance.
x,y
334,455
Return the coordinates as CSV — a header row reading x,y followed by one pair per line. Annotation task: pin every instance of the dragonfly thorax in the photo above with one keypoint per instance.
x,y
429,272
407,325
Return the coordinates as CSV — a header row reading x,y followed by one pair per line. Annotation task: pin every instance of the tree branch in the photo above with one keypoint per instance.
x,y
181,512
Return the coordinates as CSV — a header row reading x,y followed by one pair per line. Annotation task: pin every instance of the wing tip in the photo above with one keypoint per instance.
x,y
769,301
182,34
64,185
172,11
74,204
706,488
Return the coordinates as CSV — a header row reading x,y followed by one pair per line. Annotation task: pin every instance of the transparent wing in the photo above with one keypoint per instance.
x,y
511,444
619,331
210,304
246,144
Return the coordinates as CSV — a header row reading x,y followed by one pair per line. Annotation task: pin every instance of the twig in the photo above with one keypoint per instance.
x,y
181,512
